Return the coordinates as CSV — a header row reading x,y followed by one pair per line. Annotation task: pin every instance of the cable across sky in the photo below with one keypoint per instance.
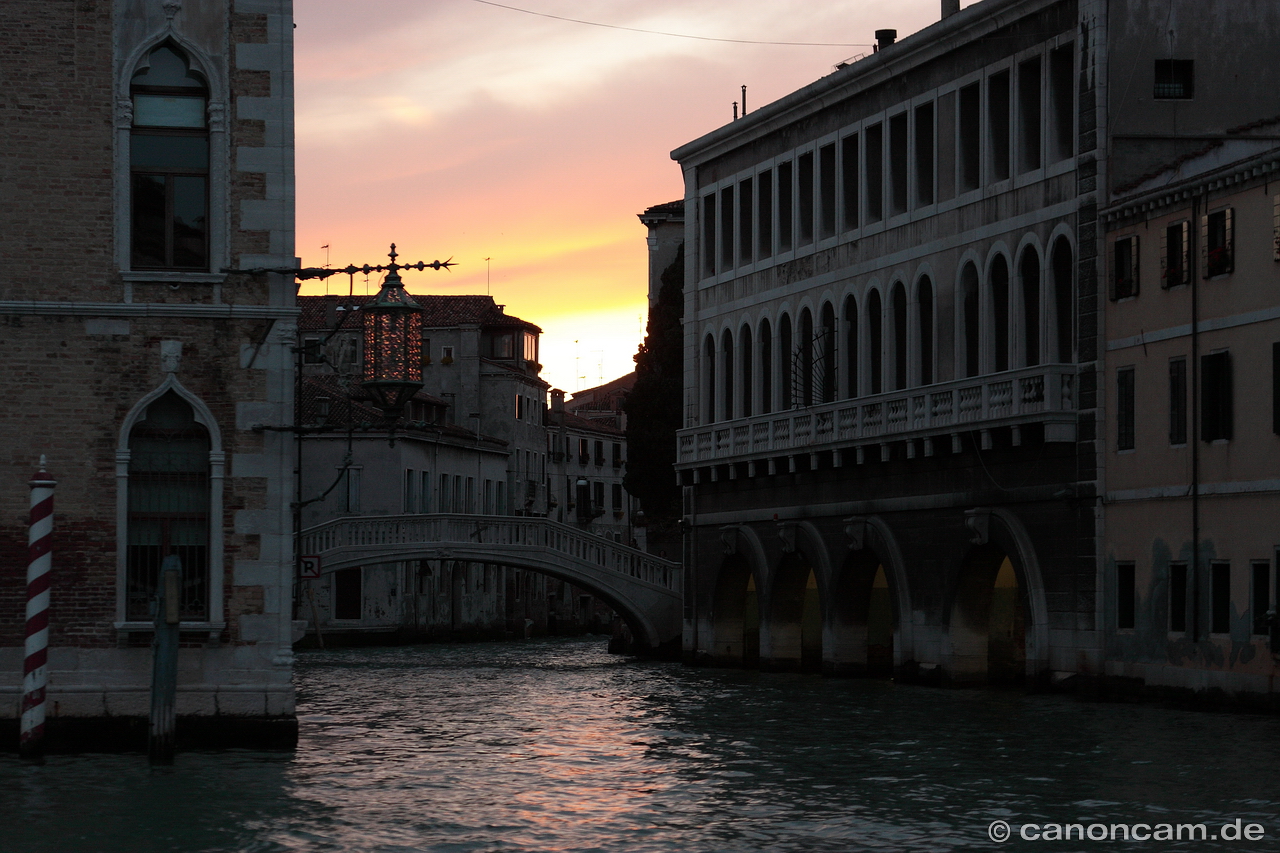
x,y
670,35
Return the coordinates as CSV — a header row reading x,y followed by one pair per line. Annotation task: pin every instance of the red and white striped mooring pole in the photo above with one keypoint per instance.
x,y
35,670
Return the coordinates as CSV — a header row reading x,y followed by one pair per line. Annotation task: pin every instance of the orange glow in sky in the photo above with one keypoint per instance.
x,y
460,129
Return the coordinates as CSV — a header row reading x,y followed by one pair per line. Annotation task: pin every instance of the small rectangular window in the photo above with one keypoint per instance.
x,y
599,449
726,227
311,351
1178,597
424,492
1216,405
410,490
1261,598
1178,401
1062,102
1174,263
1124,409
970,137
804,198
446,355
850,169
764,215
1124,268
1217,252
1126,596
924,155
353,490
1029,115
786,223
709,235
1175,79
617,454
898,148
597,495
827,190
617,497
745,243
998,124
875,173
1220,598
348,593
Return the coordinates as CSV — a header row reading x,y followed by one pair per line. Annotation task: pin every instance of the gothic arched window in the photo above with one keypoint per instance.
x,y
169,164
169,507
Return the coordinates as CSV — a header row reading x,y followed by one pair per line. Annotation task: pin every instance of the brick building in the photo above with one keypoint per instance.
x,y
148,147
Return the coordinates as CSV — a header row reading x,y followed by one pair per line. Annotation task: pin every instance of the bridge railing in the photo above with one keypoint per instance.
x,y
501,531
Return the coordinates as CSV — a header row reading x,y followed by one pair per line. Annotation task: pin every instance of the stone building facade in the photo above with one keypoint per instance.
x,y
588,457
889,450
893,455
473,442
1193,426
148,148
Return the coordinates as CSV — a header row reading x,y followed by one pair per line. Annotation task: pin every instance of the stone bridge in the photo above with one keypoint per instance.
x,y
643,589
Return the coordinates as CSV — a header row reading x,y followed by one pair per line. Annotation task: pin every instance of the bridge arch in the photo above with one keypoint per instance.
x,y
643,590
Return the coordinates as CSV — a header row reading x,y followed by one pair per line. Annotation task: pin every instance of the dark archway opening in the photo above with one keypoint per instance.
x,y
736,616
989,620
795,617
864,618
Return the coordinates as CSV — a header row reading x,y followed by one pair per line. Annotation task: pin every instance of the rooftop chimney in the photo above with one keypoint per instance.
x,y
884,38
950,7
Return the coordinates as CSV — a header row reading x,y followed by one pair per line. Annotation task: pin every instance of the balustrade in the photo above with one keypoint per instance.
x,y
1041,392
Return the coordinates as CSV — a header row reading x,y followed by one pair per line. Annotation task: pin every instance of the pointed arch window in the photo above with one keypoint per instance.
x,y
169,164
168,507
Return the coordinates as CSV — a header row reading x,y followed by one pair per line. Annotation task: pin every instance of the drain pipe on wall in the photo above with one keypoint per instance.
x,y
1193,256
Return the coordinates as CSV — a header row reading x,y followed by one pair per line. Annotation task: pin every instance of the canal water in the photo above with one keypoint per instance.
x,y
556,745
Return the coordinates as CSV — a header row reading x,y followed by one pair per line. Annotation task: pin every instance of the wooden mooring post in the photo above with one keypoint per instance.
x,y
164,673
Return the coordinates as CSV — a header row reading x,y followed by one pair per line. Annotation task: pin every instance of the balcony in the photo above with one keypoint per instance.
x,y
1043,394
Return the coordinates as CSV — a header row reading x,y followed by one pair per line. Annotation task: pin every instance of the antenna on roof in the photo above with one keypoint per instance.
x,y
744,99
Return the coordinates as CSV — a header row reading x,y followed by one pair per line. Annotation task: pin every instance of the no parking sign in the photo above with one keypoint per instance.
x,y
310,568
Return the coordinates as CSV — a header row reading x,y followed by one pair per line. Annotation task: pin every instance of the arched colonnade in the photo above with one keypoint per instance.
x,y
788,597
1011,309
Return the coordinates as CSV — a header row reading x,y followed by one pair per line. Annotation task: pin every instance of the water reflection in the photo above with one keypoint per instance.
x,y
556,745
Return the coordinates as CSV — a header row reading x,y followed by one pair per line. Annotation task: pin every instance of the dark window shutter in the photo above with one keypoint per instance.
x,y
1275,388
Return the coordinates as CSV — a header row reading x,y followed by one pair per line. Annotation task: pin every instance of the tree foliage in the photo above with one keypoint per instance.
x,y
653,406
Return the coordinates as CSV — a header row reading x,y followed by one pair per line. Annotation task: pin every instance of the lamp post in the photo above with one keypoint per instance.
x,y
392,374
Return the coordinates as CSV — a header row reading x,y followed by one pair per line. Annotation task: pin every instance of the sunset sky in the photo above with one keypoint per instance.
x,y
463,129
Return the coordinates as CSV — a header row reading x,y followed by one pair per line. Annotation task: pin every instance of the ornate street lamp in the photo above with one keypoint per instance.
x,y
392,344
392,330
